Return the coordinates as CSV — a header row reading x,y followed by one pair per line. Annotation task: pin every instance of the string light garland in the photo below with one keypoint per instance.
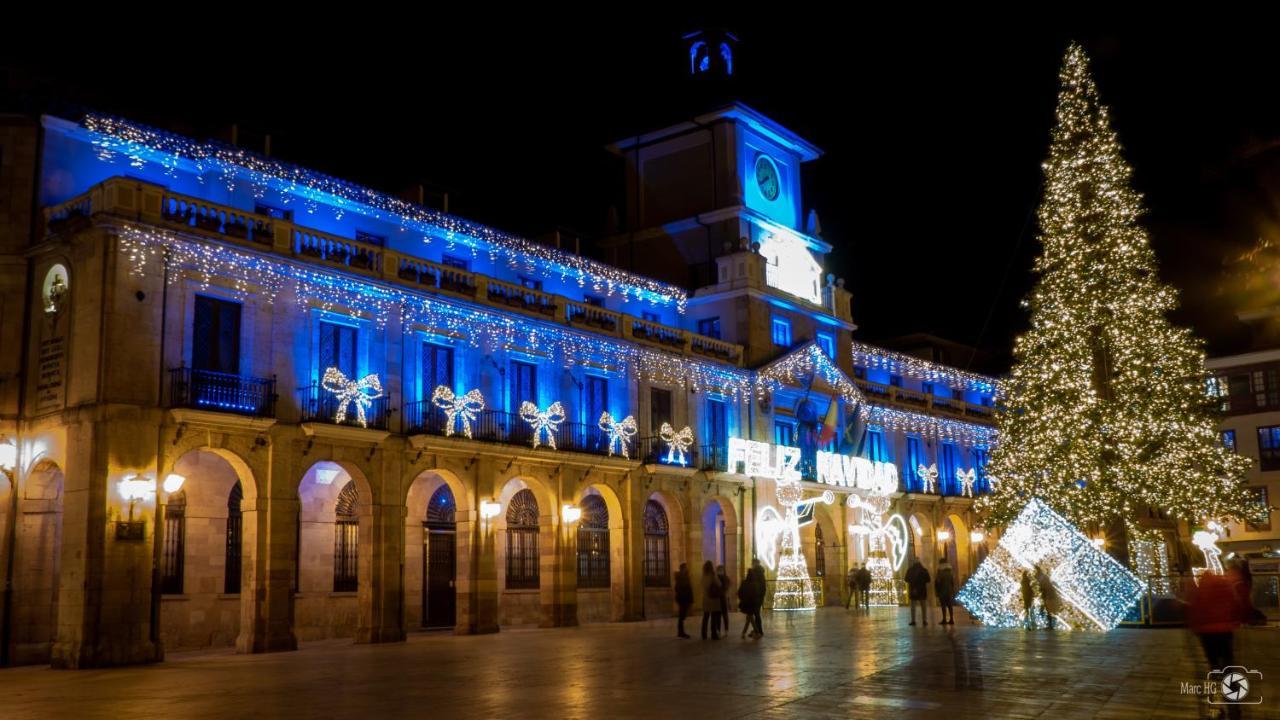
x,y
780,533
139,145
932,426
1150,558
877,358
620,433
677,442
803,363
360,392
1106,412
886,546
463,408
543,421
1096,591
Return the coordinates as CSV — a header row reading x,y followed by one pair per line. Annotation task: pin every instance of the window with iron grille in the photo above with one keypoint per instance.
x,y
338,345
593,543
819,552
231,578
175,530
657,563
522,541
346,557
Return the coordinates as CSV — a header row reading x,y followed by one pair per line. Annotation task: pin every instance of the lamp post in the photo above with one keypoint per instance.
x,y
9,467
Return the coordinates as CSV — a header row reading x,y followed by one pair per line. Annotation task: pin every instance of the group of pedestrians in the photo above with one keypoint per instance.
x,y
859,588
1050,602
944,588
717,589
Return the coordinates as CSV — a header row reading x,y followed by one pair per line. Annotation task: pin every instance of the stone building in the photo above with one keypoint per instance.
x,y
242,403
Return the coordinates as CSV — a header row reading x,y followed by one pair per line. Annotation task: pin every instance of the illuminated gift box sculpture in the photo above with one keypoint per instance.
x,y
1096,591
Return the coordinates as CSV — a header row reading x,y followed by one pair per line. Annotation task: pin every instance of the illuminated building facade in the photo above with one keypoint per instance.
x,y
385,418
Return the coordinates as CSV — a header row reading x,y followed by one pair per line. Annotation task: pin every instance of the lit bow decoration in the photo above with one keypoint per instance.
x,y
362,392
677,442
928,476
966,478
889,536
454,407
620,431
543,421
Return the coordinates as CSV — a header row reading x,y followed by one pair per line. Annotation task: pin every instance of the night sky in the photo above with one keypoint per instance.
x,y
933,137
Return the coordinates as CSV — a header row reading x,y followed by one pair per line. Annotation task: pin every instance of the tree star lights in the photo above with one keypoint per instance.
x,y
1096,591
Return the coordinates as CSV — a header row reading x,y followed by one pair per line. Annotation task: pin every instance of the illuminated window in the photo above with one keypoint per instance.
x,y
338,348
657,563
1262,521
522,541
437,368
593,543
717,433
877,451
597,400
948,463
1269,447
371,238
827,342
784,432
1229,440
709,327
915,458
346,541
272,211
781,332
650,316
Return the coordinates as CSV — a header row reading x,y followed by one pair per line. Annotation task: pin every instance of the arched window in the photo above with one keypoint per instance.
x,y
175,530
593,543
522,541
819,552
231,578
346,557
657,563
440,509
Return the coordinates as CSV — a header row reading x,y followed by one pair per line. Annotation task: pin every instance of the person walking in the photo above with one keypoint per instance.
x,y
864,587
747,602
1028,600
1215,611
725,596
918,591
944,586
762,589
684,598
710,601
852,581
1049,601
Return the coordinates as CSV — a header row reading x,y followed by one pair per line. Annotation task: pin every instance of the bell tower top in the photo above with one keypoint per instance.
x,y
711,53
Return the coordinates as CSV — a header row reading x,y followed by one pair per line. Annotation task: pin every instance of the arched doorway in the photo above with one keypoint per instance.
x,y
440,561
959,548
438,520
34,619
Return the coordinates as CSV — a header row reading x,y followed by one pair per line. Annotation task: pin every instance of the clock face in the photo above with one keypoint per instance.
x,y
767,177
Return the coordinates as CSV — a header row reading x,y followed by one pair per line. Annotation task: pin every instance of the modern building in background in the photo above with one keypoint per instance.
x,y
246,404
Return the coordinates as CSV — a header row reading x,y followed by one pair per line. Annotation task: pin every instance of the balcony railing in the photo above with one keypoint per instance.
x,y
497,426
316,404
146,202
655,451
222,392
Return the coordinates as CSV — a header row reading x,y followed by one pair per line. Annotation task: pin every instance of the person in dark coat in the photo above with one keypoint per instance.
x,y
1050,603
726,598
918,590
852,582
944,586
1215,611
762,590
711,595
1028,600
684,598
747,602
864,586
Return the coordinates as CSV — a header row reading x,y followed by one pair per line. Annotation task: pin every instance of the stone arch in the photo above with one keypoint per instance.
x,y
659,599
425,486
37,562
527,606
831,567
600,605
324,604
959,546
720,535
921,540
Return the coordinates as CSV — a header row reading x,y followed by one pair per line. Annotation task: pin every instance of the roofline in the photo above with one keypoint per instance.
x,y
738,112
1249,358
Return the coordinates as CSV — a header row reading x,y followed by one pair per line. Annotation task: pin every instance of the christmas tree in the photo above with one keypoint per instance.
x,y
1107,409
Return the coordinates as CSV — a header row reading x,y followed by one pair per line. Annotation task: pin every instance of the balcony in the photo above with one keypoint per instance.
x,y
497,426
315,404
152,204
916,400
222,392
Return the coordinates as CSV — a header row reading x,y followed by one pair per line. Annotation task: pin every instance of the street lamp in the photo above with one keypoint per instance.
x,y
977,536
8,458
570,513
489,509
944,535
173,483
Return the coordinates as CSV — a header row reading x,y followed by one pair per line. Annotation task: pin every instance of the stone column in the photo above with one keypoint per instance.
x,y
481,597
381,599
564,606
270,537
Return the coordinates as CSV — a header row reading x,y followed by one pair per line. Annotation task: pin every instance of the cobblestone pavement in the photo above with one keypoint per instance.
x,y
831,663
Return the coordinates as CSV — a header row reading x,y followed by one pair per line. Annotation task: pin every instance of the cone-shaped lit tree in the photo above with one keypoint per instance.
x,y
1107,409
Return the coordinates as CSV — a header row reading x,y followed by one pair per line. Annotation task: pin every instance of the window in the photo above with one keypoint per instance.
x,y
1265,388
597,399
231,575
522,541
659,408
709,327
272,211
1220,388
175,530
593,543
1269,447
926,388
657,564
876,450
859,372
455,262
915,458
346,540
1238,388
895,380
980,457
530,283
215,337
717,434
650,316
593,300
784,432
371,238
781,332
819,552
948,463
338,348
437,368
1229,440
1262,522
524,383
827,342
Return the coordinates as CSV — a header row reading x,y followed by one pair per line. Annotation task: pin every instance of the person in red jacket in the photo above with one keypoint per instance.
x,y
1215,611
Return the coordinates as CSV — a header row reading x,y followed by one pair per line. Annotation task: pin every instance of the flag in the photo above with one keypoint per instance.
x,y
855,432
828,432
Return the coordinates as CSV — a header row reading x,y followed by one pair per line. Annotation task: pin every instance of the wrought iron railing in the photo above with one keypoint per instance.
x,y
222,392
319,405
